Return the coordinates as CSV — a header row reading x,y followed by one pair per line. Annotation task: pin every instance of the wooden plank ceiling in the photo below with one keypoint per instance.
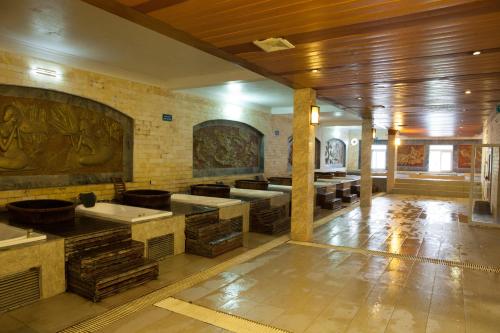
x,y
405,63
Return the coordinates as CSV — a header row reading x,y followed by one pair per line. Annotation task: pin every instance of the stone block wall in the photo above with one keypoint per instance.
x,y
162,150
277,146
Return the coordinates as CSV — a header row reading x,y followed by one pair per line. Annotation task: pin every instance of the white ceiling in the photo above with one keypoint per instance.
x,y
265,93
76,34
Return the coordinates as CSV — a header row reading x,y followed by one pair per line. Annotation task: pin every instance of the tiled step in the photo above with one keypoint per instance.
x,y
430,192
113,281
333,204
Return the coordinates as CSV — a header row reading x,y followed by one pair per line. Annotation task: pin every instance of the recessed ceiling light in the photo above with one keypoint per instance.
x,y
468,92
316,70
359,98
461,127
338,114
476,53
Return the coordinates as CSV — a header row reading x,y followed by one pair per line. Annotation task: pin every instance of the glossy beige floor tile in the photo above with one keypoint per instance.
x,y
309,289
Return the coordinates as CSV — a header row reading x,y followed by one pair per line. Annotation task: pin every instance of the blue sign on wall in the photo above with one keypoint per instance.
x,y
498,108
167,117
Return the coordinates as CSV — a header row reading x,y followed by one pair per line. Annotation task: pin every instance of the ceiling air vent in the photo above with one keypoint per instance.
x,y
274,44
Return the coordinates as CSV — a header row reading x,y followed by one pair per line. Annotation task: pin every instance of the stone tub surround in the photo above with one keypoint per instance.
x,y
277,198
142,231
47,254
162,150
228,208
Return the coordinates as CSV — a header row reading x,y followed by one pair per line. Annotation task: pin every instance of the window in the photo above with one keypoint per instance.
x,y
440,158
379,153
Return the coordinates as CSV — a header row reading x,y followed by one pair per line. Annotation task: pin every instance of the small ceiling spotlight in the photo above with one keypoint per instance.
x,y
476,53
468,92
45,71
316,70
314,115
359,98
338,114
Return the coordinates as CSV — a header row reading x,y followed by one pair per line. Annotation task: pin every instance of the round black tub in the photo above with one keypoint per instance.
x,y
252,184
147,198
211,190
44,211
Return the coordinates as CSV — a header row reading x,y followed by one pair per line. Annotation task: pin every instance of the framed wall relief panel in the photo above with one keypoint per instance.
x,y
317,153
335,153
465,157
411,155
49,138
226,147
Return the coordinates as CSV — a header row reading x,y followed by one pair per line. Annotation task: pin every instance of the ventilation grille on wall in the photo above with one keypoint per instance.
x,y
274,44
161,247
19,289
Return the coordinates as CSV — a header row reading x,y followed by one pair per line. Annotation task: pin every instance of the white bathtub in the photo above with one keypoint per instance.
x,y
121,213
10,235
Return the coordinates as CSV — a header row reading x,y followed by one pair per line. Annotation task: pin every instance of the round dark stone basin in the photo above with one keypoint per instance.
x,y
43,211
147,198
211,190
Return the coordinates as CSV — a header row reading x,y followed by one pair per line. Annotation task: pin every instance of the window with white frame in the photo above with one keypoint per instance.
x,y
440,158
379,154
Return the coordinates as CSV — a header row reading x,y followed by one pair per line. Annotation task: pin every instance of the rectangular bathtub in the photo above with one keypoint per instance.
x,y
249,193
10,235
121,213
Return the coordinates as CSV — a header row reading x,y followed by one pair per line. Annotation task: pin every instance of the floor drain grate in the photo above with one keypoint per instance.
x,y
452,263
221,319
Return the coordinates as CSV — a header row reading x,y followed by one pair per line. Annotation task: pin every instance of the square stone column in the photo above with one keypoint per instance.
x,y
392,153
366,163
303,165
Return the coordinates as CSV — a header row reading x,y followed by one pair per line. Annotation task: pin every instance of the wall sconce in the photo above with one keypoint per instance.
x,y
374,133
398,141
314,115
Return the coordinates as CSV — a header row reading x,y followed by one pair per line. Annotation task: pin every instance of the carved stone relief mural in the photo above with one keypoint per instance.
x,y
411,155
465,157
225,147
335,153
317,153
69,139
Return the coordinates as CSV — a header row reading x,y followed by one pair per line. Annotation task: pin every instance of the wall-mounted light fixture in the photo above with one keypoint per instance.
x,y
398,141
374,133
45,71
314,115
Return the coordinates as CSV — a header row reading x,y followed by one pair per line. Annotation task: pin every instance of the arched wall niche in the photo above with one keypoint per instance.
x,y
317,153
50,138
227,147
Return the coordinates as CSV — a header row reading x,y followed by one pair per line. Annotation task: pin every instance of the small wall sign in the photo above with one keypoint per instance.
x,y
276,133
166,117
498,108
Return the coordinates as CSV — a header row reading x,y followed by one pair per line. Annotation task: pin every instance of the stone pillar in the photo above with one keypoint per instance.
x,y
392,151
303,166
366,163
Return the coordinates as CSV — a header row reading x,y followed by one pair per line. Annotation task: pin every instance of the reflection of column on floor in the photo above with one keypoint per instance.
x,y
303,165
392,151
366,163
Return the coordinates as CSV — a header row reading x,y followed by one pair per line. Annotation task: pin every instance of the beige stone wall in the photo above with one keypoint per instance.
x,y
277,146
491,135
162,150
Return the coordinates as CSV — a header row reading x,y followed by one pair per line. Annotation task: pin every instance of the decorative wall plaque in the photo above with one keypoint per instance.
x,y
225,147
49,138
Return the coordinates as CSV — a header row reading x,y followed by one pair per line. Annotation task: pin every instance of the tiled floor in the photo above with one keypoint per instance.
x,y
309,289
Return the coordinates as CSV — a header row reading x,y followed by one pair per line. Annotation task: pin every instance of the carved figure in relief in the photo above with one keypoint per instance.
x,y
12,156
